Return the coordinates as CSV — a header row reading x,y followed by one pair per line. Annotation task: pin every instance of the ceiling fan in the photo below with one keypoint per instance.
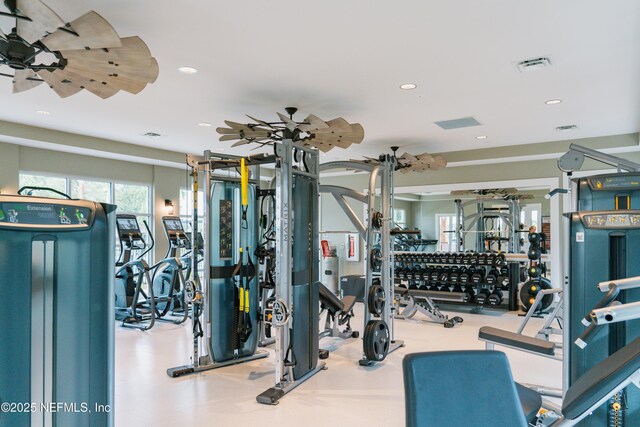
x,y
312,132
86,53
494,193
413,162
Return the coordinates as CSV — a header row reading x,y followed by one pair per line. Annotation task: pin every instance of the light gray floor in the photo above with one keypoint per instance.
x,y
344,394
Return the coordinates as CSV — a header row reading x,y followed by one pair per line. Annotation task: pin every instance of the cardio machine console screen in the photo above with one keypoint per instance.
x,y
25,213
127,225
173,224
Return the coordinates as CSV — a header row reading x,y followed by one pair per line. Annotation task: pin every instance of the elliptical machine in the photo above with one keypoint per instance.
x,y
168,276
132,274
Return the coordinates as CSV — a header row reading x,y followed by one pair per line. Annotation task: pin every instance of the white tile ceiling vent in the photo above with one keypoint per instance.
x,y
463,122
566,128
534,64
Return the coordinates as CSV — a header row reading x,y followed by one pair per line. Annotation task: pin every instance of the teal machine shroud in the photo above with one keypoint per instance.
x,y
228,233
57,334
605,245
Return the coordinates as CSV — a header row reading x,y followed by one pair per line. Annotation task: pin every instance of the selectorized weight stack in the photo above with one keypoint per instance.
x,y
605,243
56,342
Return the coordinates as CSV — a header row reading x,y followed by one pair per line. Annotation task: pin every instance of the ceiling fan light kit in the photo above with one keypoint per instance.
x,y
86,53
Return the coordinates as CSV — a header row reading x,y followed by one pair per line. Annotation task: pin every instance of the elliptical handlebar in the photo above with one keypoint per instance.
x,y
152,240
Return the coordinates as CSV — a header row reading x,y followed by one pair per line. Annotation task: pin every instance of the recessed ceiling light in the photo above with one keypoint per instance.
x,y
187,70
553,101
204,124
481,137
566,128
43,112
408,86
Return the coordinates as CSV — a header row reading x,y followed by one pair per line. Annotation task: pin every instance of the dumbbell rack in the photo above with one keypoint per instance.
x,y
434,271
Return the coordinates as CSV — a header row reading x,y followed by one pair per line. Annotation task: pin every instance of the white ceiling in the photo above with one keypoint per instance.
x,y
348,58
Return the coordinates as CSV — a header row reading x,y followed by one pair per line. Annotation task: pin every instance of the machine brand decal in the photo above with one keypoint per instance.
x,y
580,236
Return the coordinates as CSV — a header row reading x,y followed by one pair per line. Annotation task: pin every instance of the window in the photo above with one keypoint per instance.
x,y
57,183
446,232
90,190
400,218
133,199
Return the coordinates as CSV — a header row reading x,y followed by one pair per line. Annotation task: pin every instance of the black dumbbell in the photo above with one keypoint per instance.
x,y
465,258
464,276
413,285
483,295
478,276
495,298
499,260
473,258
492,276
470,297
482,258
451,258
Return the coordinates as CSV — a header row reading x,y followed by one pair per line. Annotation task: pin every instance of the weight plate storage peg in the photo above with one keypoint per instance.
x,y
376,340
376,300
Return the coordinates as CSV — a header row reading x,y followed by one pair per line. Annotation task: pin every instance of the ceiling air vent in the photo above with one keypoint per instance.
x,y
152,135
566,128
534,64
463,122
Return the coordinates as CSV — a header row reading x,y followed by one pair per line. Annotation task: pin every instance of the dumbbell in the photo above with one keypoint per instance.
x,y
451,258
470,297
458,258
435,275
423,287
465,258
478,276
463,278
453,277
492,276
444,276
473,258
482,259
426,273
495,298
483,295
413,285
431,259
499,260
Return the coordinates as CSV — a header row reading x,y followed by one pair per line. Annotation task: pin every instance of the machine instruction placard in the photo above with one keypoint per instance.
x,y
226,229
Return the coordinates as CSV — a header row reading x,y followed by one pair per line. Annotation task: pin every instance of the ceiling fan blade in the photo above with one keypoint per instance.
x,y
335,126
62,89
93,32
100,88
289,124
115,80
142,71
43,20
229,137
226,131
133,49
260,122
312,123
241,142
235,125
24,80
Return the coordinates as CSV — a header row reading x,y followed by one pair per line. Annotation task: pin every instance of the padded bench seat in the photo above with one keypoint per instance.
x,y
511,339
333,303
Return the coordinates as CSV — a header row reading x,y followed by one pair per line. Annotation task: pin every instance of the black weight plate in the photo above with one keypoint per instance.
x,y
376,300
376,340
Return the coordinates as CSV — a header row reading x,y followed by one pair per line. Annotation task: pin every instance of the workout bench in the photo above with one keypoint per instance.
x,y
411,301
338,313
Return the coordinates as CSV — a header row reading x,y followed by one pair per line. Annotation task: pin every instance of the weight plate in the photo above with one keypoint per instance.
x,y
375,259
280,313
376,300
376,340
376,220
